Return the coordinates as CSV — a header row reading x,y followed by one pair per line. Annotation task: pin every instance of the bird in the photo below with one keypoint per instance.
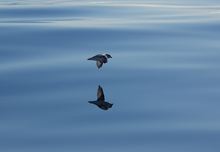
x,y
100,102
100,59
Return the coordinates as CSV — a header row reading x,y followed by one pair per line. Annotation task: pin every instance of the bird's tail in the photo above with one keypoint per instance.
x,y
92,102
92,58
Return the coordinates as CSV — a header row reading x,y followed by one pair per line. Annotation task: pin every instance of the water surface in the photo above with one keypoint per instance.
x,y
163,79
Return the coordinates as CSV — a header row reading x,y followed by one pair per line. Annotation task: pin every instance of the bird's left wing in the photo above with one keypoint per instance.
x,y
100,94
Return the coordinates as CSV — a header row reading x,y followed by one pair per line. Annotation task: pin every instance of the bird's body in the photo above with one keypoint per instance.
x,y
100,59
100,102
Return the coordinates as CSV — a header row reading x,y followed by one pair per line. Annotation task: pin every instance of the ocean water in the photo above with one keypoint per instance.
x,y
163,79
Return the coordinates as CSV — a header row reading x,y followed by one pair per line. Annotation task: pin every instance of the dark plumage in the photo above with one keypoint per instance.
x,y
100,102
100,59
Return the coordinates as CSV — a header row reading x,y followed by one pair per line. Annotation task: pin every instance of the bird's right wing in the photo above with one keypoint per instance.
x,y
100,94
99,64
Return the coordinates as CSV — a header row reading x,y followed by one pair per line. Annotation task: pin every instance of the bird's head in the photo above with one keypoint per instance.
x,y
108,55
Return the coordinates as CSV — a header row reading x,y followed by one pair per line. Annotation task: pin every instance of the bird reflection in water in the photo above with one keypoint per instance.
x,y
100,102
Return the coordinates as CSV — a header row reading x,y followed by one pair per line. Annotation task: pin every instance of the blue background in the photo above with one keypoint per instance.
x,y
163,79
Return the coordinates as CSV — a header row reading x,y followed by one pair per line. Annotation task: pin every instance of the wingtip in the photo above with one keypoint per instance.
x,y
99,67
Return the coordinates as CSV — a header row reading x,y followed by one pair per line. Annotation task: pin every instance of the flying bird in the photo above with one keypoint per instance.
x,y
100,59
100,102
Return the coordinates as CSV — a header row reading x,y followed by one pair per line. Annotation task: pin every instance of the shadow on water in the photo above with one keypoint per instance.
x,y
100,102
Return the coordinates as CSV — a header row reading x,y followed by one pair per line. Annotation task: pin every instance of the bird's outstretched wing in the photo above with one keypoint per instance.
x,y
100,94
99,64
95,58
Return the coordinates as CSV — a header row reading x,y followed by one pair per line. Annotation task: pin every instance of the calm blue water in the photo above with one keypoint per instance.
x,y
163,79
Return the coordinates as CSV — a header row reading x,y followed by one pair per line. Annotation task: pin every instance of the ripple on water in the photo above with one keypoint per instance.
x,y
163,78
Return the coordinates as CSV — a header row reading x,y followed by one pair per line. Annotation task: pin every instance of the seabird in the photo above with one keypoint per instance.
x,y
100,59
100,102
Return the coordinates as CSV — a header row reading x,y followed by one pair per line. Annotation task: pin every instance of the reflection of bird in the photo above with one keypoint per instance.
x,y
100,102
100,59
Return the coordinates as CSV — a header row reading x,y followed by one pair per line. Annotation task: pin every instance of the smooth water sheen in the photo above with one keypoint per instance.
x,y
163,79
